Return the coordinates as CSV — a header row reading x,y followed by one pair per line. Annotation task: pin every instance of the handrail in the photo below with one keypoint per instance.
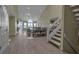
x,y
57,26
55,30
57,23
70,44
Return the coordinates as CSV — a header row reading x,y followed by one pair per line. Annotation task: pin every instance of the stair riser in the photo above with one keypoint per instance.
x,y
75,7
75,12
58,36
59,32
54,44
56,40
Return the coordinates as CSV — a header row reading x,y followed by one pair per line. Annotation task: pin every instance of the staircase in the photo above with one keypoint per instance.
x,y
54,33
75,11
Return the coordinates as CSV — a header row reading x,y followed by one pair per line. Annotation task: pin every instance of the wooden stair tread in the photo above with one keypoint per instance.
x,y
55,42
56,38
77,14
72,5
59,35
75,10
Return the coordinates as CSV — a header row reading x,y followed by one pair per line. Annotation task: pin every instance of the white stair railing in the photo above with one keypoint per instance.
x,y
52,31
56,24
55,30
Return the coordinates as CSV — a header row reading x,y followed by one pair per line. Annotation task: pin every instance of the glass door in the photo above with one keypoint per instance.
x,y
30,29
20,26
24,26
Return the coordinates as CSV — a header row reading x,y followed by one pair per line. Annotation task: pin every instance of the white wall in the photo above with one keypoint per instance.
x,y
50,12
12,25
70,29
4,30
13,16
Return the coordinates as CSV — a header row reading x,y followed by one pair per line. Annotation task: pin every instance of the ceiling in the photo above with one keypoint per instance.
x,y
32,12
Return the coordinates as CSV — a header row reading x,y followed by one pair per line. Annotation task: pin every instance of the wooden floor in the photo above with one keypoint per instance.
x,y
21,45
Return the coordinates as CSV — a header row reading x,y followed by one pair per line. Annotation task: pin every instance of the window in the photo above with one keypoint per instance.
x,y
20,24
35,24
25,25
30,24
